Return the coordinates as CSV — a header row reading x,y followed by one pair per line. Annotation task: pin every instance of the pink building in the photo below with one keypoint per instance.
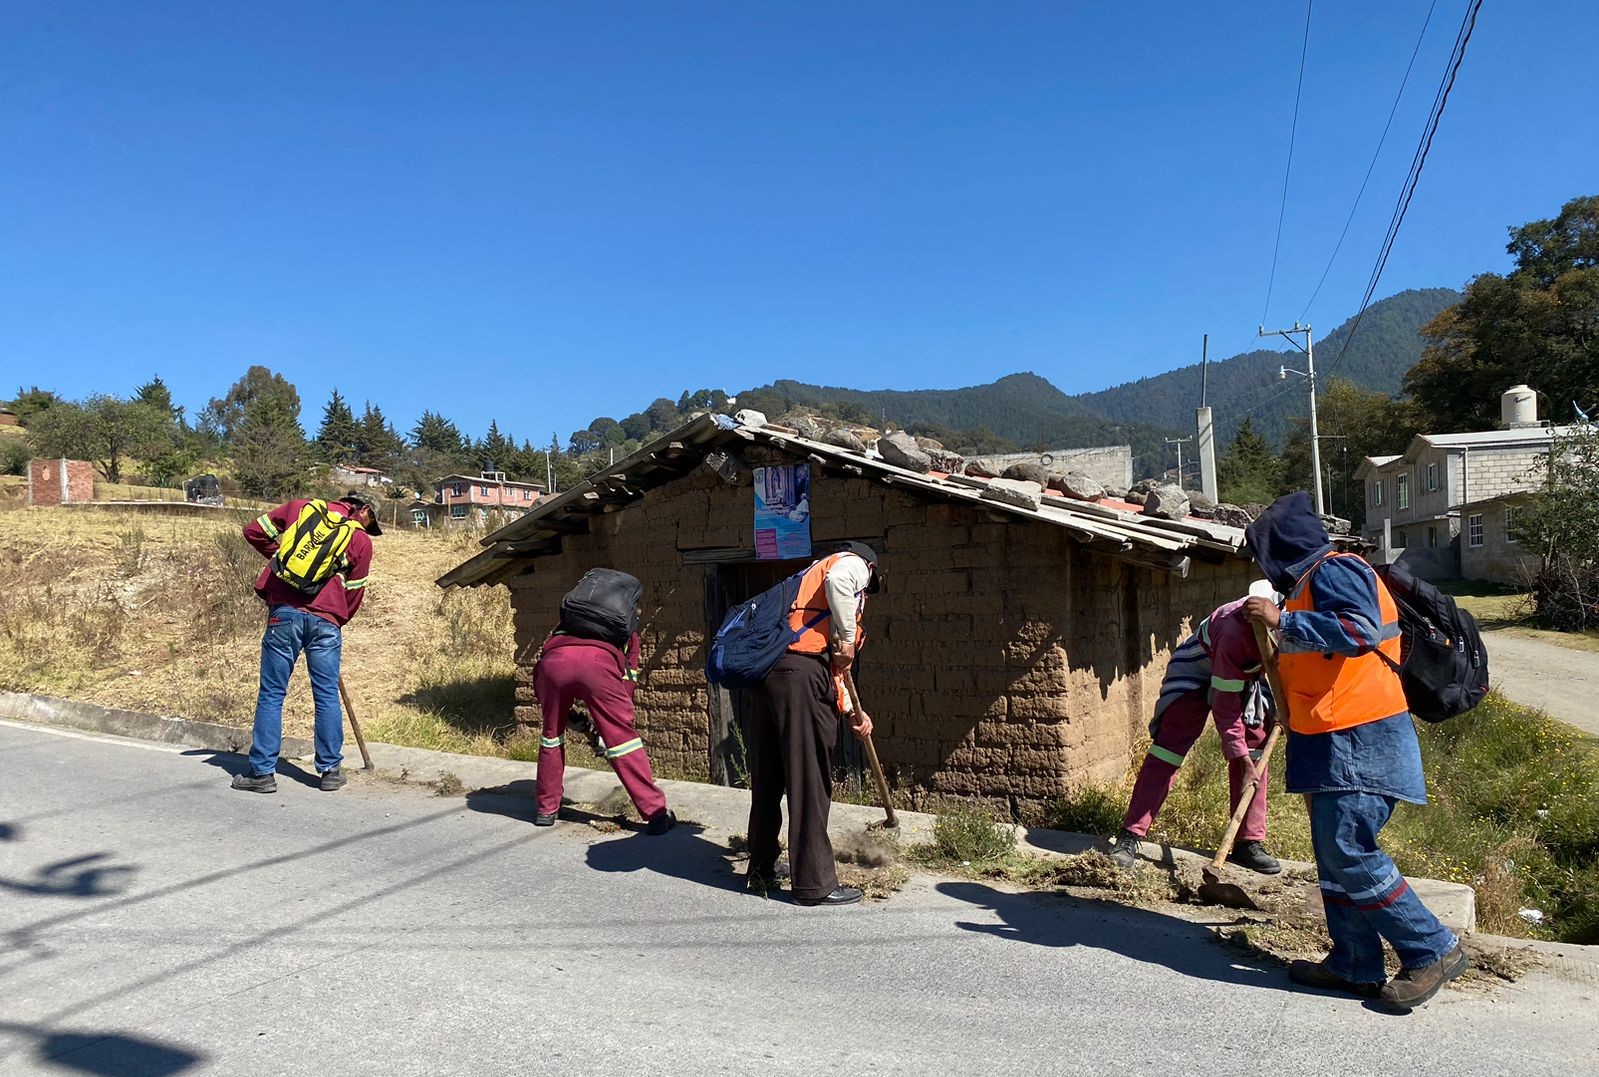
x,y
458,498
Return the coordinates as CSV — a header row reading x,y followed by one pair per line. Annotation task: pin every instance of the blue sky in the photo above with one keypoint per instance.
x,y
541,212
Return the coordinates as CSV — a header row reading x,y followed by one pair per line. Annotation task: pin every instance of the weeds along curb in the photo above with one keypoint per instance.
x,y
93,718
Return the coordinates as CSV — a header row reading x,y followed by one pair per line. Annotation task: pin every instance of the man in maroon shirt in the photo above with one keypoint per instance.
x,y
310,623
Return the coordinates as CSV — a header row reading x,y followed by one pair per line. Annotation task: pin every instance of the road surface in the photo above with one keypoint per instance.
x,y
1561,681
156,922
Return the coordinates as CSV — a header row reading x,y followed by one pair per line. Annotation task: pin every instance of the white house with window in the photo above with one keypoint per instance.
x,y
1423,505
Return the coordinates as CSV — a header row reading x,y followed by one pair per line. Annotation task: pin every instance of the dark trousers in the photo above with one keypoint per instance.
x,y
792,732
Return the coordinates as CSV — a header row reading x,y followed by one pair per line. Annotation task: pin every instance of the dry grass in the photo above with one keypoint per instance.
x,y
158,614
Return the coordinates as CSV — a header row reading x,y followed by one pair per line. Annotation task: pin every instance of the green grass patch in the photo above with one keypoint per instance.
x,y
1513,812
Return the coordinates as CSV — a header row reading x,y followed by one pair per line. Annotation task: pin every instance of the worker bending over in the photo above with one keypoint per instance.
x,y
795,726
1215,672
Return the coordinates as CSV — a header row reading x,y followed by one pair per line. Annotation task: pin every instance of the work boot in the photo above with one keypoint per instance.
x,y
1253,855
540,819
841,895
1413,987
1316,974
1123,850
256,783
333,779
660,823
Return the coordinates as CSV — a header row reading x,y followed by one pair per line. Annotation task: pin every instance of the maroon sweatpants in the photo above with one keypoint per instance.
x,y
1179,727
792,733
570,673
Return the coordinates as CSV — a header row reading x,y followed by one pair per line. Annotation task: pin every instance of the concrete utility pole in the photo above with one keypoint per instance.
x,y
1309,374
1179,443
1204,429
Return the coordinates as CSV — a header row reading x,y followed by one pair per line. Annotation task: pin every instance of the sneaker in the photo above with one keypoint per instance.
x,y
660,823
1316,974
1413,987
540,819
333,779
841,895
1253,855
1123,850
256,783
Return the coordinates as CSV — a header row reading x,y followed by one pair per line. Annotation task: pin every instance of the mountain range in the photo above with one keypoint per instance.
x,y
1030,411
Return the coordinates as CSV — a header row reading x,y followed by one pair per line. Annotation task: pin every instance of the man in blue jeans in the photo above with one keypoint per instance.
x,y
298,623
1352,750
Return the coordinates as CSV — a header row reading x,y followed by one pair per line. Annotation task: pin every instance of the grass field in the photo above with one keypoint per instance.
x,y
1499,609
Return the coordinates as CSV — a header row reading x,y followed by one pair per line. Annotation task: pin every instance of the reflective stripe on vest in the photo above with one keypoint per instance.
x,y
1331,691
811,618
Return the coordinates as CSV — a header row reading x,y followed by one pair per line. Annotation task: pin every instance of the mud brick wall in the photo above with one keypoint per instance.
x,y
1005,663
56,482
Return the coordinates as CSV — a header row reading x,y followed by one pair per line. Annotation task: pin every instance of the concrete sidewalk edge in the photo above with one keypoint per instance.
x,y
715,807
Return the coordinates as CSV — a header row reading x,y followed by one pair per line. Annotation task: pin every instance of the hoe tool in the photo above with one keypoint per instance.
x,y
891,821
355,726
1216,889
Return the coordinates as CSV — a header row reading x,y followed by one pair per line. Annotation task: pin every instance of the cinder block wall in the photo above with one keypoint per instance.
x,y
1004,662
53,482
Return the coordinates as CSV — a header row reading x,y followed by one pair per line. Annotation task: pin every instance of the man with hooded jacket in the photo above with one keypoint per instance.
x,y
1352,750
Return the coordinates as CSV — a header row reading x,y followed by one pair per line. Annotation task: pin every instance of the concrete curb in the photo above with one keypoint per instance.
x,y
714,807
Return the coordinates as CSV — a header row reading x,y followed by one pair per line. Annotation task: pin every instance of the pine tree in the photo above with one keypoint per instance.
x,y
435,433
378,444
1248,473
337,439
495,448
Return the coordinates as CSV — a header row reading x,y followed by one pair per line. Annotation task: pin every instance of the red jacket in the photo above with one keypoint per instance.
x,y
341,596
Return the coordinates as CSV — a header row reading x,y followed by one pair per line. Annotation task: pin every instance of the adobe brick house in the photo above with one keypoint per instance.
x,y
1014,654
59,482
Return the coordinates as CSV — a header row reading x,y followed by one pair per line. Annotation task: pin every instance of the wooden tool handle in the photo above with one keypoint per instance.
x,y
871,756
355,726
1268,662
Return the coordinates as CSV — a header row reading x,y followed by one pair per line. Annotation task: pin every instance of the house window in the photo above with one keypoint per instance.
x,y
1432,477
1402,491
1376,493
459,489
457,512
1510,523
1474,529
1402,541
1432,536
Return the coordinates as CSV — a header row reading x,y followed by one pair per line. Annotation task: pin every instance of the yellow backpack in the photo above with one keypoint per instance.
x,y
311,549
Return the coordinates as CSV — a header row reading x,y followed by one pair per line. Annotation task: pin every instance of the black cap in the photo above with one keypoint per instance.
x,y
361,501
869,555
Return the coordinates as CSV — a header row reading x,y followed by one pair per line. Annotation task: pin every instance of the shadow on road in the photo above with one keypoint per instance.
x,y
110,1053
80,876
234,764
681,853
1139,934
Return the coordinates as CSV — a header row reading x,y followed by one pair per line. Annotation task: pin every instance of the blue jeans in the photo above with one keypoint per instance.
x,y
290,631
1366,898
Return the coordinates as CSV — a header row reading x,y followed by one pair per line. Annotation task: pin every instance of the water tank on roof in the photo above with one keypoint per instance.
x,y
1518,407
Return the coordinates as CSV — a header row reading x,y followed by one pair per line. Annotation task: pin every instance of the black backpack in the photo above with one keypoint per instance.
x,y
1443,664
603,606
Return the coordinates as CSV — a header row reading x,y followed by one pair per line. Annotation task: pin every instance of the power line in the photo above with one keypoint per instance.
x,y
1375,155
1462,39
1288,169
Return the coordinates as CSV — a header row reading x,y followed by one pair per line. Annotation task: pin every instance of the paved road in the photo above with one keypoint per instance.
x,y
1560,680
155,922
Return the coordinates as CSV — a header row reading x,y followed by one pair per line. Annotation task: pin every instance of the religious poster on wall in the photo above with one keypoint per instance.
x,y
783,512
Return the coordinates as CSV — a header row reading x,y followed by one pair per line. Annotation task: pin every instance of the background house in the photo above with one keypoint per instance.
x,y
358,476
1420,505
474,500
1014,653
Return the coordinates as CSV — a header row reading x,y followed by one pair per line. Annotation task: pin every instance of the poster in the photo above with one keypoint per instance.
x,y
783,512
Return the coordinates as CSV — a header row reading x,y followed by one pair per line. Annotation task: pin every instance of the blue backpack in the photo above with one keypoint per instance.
x,y
754,635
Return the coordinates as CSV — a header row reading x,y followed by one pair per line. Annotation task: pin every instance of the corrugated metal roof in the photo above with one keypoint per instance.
x,y
1146,540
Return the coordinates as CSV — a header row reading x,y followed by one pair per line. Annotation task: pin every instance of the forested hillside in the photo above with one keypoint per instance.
x,y
1387,345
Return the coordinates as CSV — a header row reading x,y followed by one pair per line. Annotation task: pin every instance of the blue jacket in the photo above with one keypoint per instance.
x,y
1380,757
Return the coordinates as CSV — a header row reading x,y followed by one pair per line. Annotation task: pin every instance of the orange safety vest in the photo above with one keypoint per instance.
x,y
816,632
1327,692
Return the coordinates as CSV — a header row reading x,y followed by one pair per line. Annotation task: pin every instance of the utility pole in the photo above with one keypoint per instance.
x,y
1204,428
1309,374
1179,443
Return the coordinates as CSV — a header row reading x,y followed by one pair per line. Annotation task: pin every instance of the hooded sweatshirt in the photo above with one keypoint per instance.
x,y
1288,541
